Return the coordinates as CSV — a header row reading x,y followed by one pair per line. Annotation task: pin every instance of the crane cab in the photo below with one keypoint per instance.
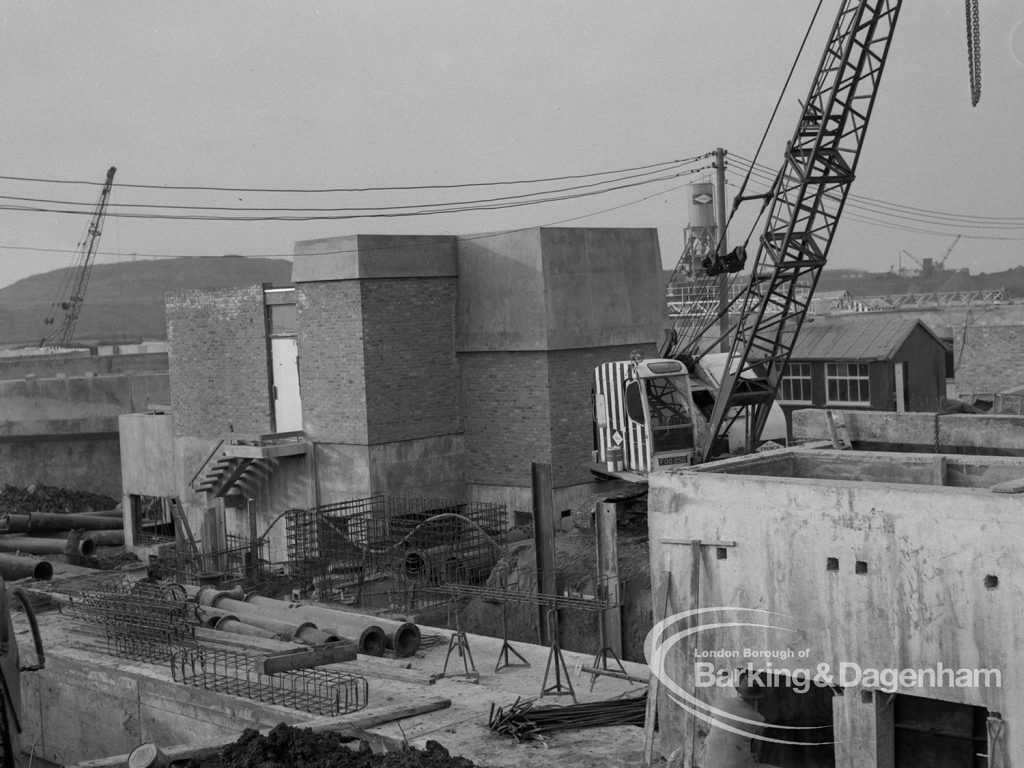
x,y
653,414
644,416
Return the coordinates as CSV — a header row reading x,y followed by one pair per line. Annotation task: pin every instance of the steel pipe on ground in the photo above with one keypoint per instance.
x,y
402,637
13,567
40,546
50,521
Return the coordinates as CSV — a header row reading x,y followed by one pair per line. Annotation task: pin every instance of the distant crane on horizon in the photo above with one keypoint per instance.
x,y
72,291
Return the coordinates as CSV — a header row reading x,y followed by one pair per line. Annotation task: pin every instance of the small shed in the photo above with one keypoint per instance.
x,y
882,362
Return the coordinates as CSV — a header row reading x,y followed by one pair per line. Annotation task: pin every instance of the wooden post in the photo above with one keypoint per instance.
x,y
654,687
606,522
544,544
691,645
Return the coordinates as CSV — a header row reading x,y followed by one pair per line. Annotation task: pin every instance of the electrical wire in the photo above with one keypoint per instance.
x,y
249,209
875,205
386,213
459,185
335,252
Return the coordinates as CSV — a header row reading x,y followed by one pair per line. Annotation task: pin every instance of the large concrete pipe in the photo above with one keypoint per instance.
x,y
38,546
13,567
225,622
290,628
50,521
99,538
402,637
370,640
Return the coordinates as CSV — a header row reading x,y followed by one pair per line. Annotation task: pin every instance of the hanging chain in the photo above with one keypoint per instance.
x,y
974,50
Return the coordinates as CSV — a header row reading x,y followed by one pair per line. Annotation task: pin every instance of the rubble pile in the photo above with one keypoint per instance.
x,y
47,498
289,747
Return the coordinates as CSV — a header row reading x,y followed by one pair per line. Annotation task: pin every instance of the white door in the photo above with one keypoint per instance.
x,y
900,371
284,353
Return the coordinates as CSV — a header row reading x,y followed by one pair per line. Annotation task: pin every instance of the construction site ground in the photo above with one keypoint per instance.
x,y
65,704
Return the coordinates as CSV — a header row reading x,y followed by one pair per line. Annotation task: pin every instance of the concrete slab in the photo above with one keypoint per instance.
x,y
88,705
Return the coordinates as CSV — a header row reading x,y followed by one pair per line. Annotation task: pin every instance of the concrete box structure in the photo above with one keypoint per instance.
x,y
420,365
820,561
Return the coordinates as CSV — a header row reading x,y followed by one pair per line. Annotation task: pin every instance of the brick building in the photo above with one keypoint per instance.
x,y
430,366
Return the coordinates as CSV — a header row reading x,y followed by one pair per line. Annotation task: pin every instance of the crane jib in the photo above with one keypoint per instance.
x,y
819,166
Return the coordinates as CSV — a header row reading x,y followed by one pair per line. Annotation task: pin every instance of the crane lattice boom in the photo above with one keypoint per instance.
x,y
71,304
806,202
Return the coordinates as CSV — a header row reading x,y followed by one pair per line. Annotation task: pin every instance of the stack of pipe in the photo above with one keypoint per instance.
x,y
402,637
372,634
50,533
221,610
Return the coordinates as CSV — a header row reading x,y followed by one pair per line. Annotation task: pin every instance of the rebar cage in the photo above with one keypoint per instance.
x,y
138,620
316,690
417,543
241,562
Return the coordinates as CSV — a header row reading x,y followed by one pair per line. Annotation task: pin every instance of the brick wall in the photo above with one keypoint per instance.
x,y
218,361
331,361
412,373
522,407
990,358
571,376
507,409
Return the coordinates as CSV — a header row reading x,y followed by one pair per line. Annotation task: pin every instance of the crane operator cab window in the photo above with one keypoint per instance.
x,y
671,427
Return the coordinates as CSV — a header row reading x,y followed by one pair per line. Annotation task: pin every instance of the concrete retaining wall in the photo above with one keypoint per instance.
x,y
997,435
76,364
76,709
64,431
876,574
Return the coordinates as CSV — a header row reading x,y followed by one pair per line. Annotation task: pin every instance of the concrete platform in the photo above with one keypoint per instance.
x,y
87,705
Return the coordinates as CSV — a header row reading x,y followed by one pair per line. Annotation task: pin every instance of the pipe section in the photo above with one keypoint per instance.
x,y
39,546
402,637
13,568
51,521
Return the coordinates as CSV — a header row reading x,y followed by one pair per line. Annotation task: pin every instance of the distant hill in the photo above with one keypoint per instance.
x,y
124,303
1011,281
861,283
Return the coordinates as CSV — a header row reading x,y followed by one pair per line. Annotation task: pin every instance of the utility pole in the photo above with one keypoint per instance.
x,y
723,248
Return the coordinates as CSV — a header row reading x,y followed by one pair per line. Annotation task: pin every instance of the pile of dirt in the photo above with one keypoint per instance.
x,y
47,498
289,747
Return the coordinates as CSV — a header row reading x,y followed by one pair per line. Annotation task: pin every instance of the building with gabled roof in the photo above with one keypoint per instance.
x,y
875,362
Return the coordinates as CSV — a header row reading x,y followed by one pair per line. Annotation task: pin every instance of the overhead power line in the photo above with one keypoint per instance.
x,y
460,185
382,212
876,205
334,252
250,209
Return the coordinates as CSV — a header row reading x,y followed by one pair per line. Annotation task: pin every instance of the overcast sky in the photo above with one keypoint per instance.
x,y
317,95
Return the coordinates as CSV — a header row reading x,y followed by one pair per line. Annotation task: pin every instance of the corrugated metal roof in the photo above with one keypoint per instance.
x,y
854,337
